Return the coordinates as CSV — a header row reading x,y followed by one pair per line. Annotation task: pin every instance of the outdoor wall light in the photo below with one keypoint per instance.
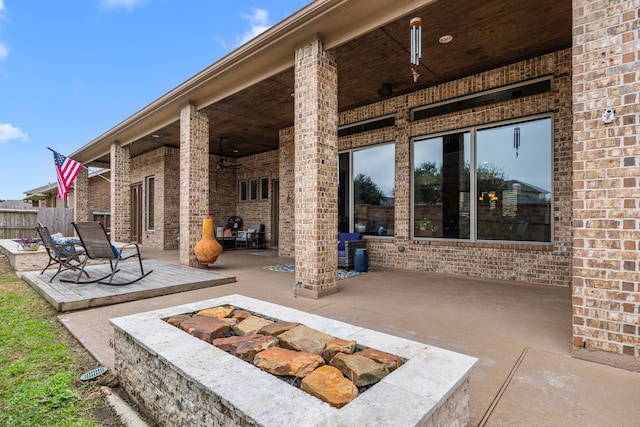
x,y
416,46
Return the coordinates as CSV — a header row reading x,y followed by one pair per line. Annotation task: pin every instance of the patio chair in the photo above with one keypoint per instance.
x,y
97,245
66,254
254,237
347,245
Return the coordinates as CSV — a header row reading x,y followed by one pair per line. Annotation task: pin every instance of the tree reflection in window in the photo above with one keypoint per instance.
x,y
513,192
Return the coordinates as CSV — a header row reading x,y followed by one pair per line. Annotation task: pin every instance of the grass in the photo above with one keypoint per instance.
x,y
41,364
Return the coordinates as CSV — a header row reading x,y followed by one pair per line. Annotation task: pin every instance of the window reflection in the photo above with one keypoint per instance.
x,y
512,176
514,182
441,186
371,200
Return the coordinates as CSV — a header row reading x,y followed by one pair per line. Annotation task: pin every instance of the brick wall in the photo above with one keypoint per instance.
x,y
81,196
169,201
151,164
120,191
99,193
606,166
223,185
286,225
540,264
257,211
194,180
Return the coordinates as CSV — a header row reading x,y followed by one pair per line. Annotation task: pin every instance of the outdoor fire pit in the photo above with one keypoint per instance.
x,y
183,380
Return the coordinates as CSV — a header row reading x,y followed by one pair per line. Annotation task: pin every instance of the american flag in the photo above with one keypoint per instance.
x,y
67,169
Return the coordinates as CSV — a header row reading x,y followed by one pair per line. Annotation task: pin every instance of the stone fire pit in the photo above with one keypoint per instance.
x,y
182,380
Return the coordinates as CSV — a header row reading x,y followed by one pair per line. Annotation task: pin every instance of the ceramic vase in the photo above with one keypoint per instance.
x,y
207,249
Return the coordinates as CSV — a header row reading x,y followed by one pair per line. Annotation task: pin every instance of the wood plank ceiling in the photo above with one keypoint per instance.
x,y
486,34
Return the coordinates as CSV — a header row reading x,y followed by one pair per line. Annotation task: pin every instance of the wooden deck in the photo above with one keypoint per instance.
x,y
166,278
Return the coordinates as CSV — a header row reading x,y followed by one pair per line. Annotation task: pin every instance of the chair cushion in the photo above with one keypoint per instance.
x,y
347,236
342,254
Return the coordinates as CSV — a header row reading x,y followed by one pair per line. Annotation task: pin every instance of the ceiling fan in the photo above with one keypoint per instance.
x,y
220,165
220,161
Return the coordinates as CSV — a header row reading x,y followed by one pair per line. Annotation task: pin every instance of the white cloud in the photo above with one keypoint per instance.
x,y
117,4
259,23
9,132
4,52
2,9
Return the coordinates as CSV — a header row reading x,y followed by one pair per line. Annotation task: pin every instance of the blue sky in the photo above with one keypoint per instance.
x,y
71,70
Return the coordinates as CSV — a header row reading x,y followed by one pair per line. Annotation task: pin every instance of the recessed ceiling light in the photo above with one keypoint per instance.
x,y
445,39
155,136
235,151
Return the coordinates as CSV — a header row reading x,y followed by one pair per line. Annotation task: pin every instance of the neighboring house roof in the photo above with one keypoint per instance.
x,y
15,204
41,193
45,191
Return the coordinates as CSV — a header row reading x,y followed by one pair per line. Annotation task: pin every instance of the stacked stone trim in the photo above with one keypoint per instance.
x,y
606,167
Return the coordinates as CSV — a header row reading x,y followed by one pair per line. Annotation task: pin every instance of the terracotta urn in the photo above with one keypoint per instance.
x,y
207,249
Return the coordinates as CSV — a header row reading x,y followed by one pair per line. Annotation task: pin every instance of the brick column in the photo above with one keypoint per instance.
x,y
404,173
81,196
286,172
316,171
120,193
606,186
194,180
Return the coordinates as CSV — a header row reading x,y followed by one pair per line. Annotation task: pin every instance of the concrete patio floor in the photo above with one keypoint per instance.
x,y
521,333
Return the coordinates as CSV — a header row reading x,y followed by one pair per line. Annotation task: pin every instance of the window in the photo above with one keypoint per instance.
x,y
366,190
508,169
242,190
264,188
441,186
253,189
151,191
506,93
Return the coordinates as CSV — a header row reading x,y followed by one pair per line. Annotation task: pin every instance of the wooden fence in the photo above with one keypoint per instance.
x,y
16,223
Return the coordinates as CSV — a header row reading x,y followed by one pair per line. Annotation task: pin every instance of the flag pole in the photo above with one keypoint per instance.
x,y
106,179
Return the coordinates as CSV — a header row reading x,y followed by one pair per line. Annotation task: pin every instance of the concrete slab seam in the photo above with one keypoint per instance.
x,y
503,388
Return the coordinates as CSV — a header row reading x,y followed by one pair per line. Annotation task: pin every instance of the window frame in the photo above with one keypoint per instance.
x,y
149,209
242,190
473,209
264,188
253,189
351,192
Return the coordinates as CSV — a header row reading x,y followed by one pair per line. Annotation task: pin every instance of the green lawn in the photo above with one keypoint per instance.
x,y
41,364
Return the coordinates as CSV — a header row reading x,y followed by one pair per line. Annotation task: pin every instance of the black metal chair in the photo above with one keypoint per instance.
x,y
97,245
68,256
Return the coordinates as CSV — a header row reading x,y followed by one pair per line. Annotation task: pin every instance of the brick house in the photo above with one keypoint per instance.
x,y
98,197
513,155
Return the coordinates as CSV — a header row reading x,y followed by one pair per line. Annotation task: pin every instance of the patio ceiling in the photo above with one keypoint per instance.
x,y
486,34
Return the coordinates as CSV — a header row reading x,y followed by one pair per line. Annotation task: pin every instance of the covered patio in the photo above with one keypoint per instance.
x,y
520,333
266,133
